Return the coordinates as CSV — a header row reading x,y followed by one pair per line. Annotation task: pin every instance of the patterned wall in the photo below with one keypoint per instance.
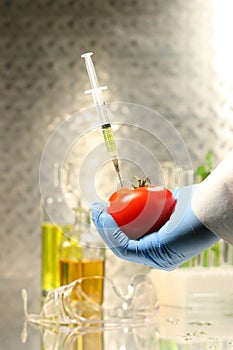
x,y
160,54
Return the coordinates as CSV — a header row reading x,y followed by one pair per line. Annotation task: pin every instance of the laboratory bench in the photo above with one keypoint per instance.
x,y
169,328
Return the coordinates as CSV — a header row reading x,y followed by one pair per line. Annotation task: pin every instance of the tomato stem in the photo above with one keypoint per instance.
x,y
142,183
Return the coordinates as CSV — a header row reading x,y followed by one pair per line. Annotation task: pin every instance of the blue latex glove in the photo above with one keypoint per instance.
x,y
180,239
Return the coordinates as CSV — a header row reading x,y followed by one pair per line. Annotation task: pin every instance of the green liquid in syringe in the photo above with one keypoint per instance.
x,y
109,140
111,148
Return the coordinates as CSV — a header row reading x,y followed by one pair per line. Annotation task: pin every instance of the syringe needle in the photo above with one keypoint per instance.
x,y
117,168
120,179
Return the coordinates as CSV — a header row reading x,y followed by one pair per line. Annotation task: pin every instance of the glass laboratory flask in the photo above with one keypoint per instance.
x,y
53,227
79,259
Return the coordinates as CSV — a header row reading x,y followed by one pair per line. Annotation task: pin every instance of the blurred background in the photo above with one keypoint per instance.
x,y
173,56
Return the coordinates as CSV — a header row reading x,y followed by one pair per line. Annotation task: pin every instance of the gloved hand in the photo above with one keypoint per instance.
x,y
180,239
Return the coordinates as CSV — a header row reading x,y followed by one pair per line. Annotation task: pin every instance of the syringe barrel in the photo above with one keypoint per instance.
x,y
109,140
102,114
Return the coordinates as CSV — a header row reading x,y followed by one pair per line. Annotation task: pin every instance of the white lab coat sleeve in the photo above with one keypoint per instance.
x,y
212,201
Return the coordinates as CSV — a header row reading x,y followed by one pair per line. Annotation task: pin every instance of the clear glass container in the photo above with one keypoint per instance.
x,y
53,226
79,256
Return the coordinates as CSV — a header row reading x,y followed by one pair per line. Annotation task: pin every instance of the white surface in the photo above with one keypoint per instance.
x,y
196,287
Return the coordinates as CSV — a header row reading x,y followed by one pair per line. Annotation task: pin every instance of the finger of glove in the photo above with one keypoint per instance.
x,y
110,232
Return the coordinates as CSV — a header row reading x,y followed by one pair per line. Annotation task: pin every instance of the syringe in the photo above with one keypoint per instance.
x,y
102,113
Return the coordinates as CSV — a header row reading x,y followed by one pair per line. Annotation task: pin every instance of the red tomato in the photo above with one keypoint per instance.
x,y
142,210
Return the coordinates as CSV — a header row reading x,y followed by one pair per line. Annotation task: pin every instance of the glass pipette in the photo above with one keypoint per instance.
x,y
102,113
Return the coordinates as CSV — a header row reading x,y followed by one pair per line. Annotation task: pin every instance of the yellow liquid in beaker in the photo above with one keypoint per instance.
x,y
51,236
71,270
